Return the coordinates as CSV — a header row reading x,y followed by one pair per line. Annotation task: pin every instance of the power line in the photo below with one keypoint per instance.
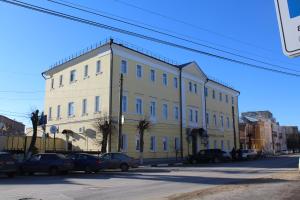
x,y
141,36
70,5
189,24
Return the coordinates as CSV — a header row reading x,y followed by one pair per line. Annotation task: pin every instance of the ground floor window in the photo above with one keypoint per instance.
x,y
165,143
215,144
137,143
152,143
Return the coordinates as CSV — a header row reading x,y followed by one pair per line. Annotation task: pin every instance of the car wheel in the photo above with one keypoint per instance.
x,y
124,167
11,174
87,170
53,171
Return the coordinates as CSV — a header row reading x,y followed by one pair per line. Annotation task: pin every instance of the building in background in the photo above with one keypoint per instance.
x,y
260,130
10,127
188,111
292,137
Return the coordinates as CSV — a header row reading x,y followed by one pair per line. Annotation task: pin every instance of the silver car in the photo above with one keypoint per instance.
x,y
117,161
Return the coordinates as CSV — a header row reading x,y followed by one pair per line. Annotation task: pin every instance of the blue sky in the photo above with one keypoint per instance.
x,y
30,42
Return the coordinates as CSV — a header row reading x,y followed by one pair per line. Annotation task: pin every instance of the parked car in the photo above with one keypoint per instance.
x,y
8,165
210,155
117,161
51,163
284,152
249,154
86,162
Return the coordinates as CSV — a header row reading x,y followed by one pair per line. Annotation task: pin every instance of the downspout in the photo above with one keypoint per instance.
x,y
111,41
180,105
205,125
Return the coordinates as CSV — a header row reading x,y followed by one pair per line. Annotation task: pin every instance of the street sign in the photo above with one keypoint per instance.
x,y
288,15
53,129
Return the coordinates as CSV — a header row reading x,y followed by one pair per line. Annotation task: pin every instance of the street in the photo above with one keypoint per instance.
x,y
206,181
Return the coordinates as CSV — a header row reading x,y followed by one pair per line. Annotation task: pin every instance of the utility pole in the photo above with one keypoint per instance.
x,y
120,113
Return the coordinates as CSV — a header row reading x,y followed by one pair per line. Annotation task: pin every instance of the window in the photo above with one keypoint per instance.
x,y
222,122
98,67
153,109
177,144
139,71
124,142
137,143
152,75
138,106
84,107
52,83
97,104
123,67
213,94
226,98
152,143
86,71
50,113
71,109
165,111
165,143
215,144
195,88
220,96
175,82
73,76
165,79
124,103
196,116
190,87
58,112
208,145
190,115
232,100
228,122
206,91
60,80
207,118
222,145
176,113
215,120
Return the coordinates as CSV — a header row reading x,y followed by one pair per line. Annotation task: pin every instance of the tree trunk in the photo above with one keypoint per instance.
x,y
104,143
141,147
34,120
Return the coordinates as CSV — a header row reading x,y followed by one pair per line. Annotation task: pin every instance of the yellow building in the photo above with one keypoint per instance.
x,y
182,104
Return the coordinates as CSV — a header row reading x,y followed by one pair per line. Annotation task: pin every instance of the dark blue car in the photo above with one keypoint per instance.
x,y
8,164
51,163
86,162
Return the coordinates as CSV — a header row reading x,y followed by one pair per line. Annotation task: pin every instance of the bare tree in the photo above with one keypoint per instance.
x,y
35,122
104,125
143,125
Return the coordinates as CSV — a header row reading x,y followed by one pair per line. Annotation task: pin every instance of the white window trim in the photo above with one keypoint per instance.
x,y
75,76
136,72
153,118
162,111
175,78
99,105
125,95
165,85
174,116
100,71
70,115
142,106
152,81
58,112
86,76
121,72
86,106
154,145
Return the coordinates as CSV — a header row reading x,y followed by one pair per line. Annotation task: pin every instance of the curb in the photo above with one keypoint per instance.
x,y
166,165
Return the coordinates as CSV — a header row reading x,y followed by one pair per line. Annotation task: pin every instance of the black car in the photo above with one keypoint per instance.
x,y
209,155
51,163
86,162
8,164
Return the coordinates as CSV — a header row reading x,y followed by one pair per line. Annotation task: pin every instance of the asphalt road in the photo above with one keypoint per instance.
x,y
146,183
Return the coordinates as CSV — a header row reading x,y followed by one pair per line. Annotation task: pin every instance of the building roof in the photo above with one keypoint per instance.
x,y
135,49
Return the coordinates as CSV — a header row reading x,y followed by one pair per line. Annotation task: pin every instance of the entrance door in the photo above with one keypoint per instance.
x,y
194,144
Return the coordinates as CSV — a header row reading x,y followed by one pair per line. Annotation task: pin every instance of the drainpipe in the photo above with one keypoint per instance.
x,y
180,107
111,41
205,125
